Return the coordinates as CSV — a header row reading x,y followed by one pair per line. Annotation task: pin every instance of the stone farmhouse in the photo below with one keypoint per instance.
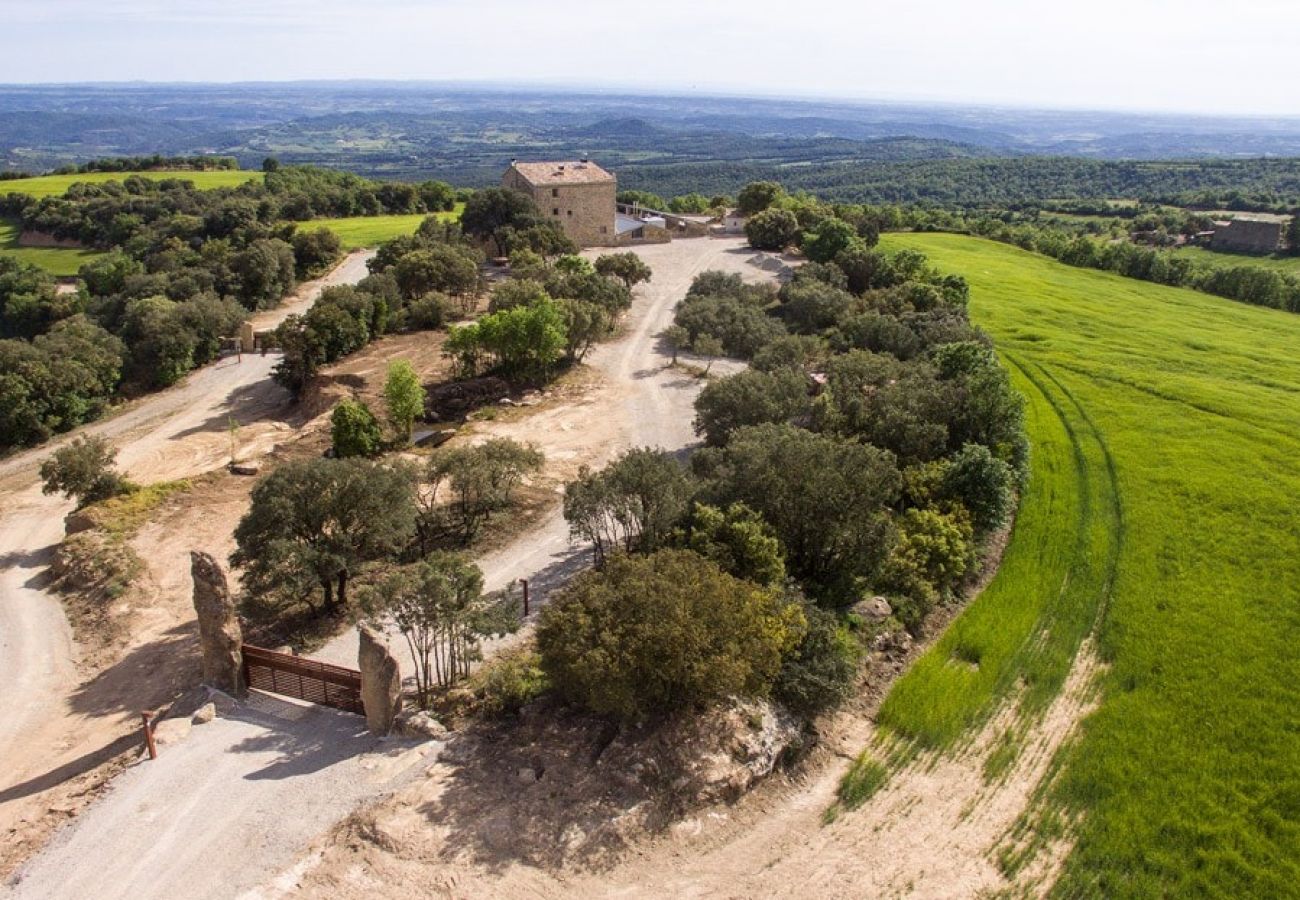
x,y
579,196
1250,235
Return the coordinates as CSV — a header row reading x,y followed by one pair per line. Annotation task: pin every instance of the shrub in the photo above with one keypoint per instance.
x,y
772,229
980,482
355,430
429,312
650,634
83,471
820,672
509,683
738,540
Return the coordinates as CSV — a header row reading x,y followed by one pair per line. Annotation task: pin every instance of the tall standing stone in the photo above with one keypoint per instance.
x,y
220,636
381,680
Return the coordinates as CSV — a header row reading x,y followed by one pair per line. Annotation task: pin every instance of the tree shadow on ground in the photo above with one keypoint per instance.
x,y
260,401
147,677
306,739
530,791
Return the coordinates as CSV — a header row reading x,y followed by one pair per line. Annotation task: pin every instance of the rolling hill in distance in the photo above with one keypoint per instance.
x,y
466,133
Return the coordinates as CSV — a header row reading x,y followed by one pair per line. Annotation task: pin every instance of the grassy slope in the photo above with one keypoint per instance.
x,y
370,231
55,260
53,185
1166,426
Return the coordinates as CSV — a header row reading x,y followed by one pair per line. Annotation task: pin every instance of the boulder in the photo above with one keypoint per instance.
x,y
204,714
419,724
79,520
381,680
220,637
710,756
244,468
875,609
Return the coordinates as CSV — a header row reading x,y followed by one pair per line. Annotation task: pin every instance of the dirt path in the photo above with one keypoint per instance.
x,y
54,727
639,400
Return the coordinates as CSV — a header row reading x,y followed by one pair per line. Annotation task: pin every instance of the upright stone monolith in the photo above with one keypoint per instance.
x,y
220,636
381,680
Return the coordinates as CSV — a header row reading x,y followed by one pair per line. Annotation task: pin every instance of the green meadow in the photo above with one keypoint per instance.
x,y
1211,258
55,260
54,185
371,231
1161,523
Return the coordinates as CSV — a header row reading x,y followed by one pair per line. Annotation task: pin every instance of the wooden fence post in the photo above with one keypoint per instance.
x,y
147,724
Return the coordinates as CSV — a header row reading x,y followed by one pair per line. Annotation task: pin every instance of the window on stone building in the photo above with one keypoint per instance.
x,y
555,211
555,192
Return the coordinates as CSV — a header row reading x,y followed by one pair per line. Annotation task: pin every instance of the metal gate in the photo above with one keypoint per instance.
x,y
306,679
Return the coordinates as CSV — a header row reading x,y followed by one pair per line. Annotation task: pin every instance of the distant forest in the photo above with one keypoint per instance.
x,y
1252,184
852,152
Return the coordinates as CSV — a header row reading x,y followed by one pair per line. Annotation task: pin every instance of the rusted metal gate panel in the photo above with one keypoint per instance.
x,y
306,679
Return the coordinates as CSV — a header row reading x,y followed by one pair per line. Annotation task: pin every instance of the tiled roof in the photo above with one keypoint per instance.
x,y
563,172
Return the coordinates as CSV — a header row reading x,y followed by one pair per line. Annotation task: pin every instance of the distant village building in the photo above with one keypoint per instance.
x,y
1250,235
578,196
733,222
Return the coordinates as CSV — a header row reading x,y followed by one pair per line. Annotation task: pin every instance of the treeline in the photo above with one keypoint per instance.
x,y
1259,185
152,164
141,214
778,220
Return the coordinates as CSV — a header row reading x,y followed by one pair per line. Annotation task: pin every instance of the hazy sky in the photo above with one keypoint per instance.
x,y
1187,55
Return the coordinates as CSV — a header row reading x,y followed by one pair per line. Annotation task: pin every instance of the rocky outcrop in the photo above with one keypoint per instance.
x,y
381,681
875,609
715,755
220,636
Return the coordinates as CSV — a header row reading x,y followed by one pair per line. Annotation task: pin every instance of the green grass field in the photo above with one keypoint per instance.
x,y
55,260
1203,257
371,231
1161,519
53,185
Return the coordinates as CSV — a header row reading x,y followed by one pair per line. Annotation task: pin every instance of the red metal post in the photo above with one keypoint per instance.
x,y
147,724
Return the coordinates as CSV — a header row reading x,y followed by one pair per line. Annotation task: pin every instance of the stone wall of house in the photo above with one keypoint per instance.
x,y
1249,236
584,211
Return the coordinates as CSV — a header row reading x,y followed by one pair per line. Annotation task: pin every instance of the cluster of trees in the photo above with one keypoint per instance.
x,y
549,313
693,203
315,526
416,283
872,445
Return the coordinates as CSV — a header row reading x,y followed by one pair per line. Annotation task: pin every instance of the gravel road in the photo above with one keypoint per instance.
x,y
221,810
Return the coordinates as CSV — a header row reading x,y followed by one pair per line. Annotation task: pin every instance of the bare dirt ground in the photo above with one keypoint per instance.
x,y
59,722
